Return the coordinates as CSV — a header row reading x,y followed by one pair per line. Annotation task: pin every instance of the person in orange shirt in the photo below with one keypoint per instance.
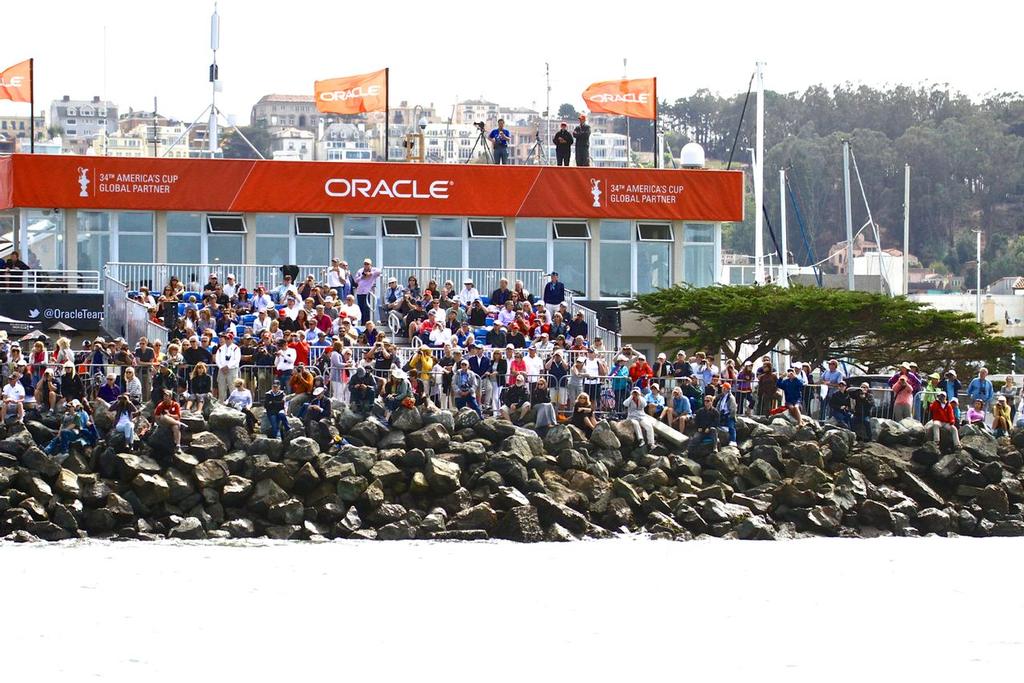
x,y
943,419
301,346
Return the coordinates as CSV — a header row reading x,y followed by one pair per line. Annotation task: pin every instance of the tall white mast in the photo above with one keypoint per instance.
x,y
211,136
759,181
906,229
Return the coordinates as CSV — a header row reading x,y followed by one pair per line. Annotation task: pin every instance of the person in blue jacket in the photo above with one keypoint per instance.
x,y
792,392
554,295
981,389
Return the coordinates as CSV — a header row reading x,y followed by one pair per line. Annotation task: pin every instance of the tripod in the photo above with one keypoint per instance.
x,y
539,150
481,140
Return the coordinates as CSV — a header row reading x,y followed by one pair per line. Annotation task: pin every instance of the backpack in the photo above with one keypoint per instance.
x,y
607,399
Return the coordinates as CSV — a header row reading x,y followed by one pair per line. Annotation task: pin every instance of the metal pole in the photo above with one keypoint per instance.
x,y
657,147
547,106
906,229
784,266
387,112
32,104
849,214
977,295
759,181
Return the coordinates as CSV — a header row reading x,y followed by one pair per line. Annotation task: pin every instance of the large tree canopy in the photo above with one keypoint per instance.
x,y
869,330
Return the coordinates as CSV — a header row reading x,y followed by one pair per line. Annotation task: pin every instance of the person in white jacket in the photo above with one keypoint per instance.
x,y
469,293
227,359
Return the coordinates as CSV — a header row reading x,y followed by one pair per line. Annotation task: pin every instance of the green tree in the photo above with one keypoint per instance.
x,y
236,148
869,330
567,112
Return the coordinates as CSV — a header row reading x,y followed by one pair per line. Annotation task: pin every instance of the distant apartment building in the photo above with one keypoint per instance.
x,y
519,116
276,112
133,118
406,114
344,142
292,144
19,127
141,142
470,111
80,121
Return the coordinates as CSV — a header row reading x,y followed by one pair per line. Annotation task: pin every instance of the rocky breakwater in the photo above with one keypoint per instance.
x,y
438,475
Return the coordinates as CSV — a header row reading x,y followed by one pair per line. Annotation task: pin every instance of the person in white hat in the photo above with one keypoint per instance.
x,y
397,389
469,293
230,287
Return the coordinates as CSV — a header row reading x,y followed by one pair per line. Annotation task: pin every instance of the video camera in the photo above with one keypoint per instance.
x,y
480,125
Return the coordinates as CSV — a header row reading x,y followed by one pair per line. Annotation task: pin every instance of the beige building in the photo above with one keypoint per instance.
x,y
139,142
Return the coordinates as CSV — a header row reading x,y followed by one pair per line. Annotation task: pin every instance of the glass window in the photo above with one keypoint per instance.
x,y
569,258
653,266
657,232
572,230
313,250
531,254
532,228
184,248
445,253
696,232
446,227
224,249
359,248
486,228
486,253
133,247
225,223
313,225
615,271
360,226
399,251
135,221
93,242
614,231
42,242
272,224
699,264
401,227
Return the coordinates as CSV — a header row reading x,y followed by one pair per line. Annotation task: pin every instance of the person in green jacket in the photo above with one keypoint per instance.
x,y
929,395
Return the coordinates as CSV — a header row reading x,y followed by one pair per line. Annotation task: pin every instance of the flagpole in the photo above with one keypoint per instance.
x,y
657,150
32,103
387,112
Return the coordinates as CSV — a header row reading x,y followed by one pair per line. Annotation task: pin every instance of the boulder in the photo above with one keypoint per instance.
x,y
211,473
302,449
875,514
466,419
933,521
206,446
521,524
236,490
754,529
188,529
993,498
442,475
714,511
224,419
130,465
152,489
265,495
480,516
605,437
386,473
66,484
38,461
401,530
406,419
432,436
558,439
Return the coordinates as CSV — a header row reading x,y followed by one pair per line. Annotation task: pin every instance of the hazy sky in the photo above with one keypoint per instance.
x,y
438,51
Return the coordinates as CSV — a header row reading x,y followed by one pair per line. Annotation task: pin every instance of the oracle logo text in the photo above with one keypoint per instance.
x,y
353,93
14,82
399,189
639,98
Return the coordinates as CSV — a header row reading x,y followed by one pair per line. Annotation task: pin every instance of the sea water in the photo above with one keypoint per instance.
x,y
630,609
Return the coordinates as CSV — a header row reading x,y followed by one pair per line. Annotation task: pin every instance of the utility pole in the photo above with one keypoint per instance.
x,y
784,266
547,106
906,229
977,294
849,215
759,181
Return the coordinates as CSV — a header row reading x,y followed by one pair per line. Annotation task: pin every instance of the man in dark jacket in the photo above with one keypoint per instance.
x,y
501,294
841,405
554,295
707,420
582,135
563,144
863,409
578,326
497,338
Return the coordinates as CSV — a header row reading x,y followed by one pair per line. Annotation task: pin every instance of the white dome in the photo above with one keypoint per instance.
x,y
692,155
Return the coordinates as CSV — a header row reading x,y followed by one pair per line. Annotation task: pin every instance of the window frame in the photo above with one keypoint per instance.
x,y
658,224
489,221
385,220
570,223
210,217
299,216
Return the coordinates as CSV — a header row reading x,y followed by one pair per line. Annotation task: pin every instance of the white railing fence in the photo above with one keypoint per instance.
x,y
484,279
125,317
84,281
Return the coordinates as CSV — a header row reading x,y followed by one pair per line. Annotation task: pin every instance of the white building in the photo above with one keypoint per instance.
x,y
292,144
344,142
82,120
470,111
139,142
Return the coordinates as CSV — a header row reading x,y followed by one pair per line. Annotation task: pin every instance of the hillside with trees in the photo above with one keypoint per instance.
x,y
966,157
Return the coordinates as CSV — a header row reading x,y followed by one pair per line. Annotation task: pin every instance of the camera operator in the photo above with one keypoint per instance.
x,y
563,144
499,139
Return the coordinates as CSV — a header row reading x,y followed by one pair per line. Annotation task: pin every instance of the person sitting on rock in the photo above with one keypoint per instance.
x,y
708,420
124,415
362,391
14,398
200,384
109,391
540,400
841,406
47,393
240,399
70,431
863,410
583,415
1001,417
465,385
168,414
318,407
273,405
792,388
725,403
71,385
515,400
976,414
398,391
679,405
300,385
943,419
636,411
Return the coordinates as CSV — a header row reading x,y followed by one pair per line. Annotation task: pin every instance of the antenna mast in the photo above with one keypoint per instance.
x,y
211,133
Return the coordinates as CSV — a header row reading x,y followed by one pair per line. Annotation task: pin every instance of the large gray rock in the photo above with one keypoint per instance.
x,y
715,511
130,465
188,529
479,516
407,419
222,418
236,490
432,436
387,473
152,489
302,449
211,473
604,437
521,524
442,475
206,445
557,439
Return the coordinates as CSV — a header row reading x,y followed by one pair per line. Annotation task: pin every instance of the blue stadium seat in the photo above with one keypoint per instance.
x,y
248,319
181,309
197,295
486,300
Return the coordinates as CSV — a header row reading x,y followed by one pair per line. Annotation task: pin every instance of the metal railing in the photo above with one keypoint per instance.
x,y
194,276
612,340
484,279
79,281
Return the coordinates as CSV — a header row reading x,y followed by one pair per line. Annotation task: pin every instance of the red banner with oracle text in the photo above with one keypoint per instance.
x,y
238,185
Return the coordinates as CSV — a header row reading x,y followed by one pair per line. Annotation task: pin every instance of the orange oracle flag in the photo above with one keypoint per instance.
x,y
634,98
16,83
352,94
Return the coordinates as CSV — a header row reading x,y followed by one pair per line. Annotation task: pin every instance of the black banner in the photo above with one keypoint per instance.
x,y
27,311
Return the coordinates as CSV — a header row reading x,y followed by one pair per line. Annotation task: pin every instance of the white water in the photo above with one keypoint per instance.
x,y
623,610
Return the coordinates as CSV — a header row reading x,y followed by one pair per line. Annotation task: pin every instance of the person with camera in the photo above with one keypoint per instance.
x,y
500,138
581,134
563,144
